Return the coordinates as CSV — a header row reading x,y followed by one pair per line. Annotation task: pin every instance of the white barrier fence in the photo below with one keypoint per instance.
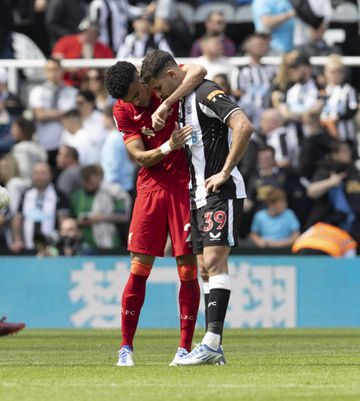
x,y
14,65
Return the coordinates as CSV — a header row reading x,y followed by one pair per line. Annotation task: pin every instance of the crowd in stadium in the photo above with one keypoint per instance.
x,y
65,165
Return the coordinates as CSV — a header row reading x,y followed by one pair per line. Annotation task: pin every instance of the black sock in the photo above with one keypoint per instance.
x,y
217,306
206,299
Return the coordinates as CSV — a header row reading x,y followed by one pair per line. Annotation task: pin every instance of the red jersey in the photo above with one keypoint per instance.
x,y
134,123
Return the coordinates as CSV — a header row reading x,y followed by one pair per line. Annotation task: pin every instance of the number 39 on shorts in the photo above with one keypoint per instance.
x,y
214,220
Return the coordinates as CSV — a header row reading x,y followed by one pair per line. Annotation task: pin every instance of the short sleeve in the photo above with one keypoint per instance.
x,y
36,98
216,103
125,124
255,226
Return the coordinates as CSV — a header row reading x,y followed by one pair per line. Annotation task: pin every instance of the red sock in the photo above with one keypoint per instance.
x,y
189,298
131,303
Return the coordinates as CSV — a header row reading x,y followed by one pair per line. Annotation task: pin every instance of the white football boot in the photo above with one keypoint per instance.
x,y
125,356
180,353
201,355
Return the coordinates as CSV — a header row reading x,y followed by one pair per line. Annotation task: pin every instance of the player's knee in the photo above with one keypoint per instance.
x,y
140,269
187,272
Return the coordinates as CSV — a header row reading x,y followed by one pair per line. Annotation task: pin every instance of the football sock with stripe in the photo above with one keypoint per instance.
x,y
217,307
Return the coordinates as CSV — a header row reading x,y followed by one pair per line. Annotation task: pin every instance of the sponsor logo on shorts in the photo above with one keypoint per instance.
x,y
213,303
215,237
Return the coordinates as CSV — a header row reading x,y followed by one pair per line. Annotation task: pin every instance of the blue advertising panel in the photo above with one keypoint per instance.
x,y
266,292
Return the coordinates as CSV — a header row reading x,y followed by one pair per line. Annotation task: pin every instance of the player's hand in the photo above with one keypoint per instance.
x,y
179,136
160,116
4,197
213,183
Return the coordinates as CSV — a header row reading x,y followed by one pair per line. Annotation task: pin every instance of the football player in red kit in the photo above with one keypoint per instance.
x,y
162,203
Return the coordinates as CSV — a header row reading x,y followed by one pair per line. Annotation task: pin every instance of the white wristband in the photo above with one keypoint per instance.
x,y
165,148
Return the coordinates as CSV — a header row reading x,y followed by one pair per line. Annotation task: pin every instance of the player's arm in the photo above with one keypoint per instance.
x,y
194,75
241,132
148,158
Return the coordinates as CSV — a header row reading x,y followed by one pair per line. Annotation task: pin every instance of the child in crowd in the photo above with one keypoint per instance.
x,y
276,226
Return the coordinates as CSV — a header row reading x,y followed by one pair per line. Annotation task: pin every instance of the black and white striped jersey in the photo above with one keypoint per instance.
x,y
255,83
341,102
206,110
285,144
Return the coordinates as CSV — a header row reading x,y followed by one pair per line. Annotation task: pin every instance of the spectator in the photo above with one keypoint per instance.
x,y
10,108
314,147
69,179
112,17
71,240
284,78
117,166
175,30
48,102
341,102
275,17
212,57
268,176
301,98
253,82
94,81
26,152
316,46
13,182
325,239
87,147
29,19
99,207
141,41
91,118
335,187
276,226
83,44
285,145
41,210
215,25
63,18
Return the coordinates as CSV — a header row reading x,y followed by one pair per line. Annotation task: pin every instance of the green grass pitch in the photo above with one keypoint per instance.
x,y
51,365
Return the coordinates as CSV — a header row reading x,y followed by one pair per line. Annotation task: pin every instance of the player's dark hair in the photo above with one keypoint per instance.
x,y
118,79
154,63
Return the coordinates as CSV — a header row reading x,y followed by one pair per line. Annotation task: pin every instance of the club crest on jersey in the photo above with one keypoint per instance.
x,y
148,132
188,108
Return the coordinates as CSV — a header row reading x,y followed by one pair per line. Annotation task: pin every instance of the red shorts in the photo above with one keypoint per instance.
x,y
157,214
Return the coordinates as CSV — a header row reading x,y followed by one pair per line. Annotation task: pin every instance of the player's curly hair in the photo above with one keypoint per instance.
x,y
154,63
118,79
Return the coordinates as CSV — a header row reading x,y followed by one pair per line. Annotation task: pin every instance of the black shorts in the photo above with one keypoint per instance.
x,y
217,223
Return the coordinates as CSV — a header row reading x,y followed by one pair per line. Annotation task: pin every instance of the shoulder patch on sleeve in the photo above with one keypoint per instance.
x,y
211,95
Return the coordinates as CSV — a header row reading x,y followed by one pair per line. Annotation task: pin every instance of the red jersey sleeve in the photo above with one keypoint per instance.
x,y
125,123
